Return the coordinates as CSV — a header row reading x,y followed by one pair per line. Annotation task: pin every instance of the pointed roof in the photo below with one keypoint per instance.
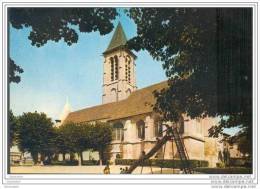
x,y
66,110
118,40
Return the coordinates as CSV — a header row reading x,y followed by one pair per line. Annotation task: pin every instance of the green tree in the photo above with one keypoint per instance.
x,y
58,23
78,138
12,128
66,138
100,138
83,140
207,57
35,134
13,71
60,142
244,145
75,138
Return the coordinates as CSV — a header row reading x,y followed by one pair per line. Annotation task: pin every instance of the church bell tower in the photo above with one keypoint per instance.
x,y
119,69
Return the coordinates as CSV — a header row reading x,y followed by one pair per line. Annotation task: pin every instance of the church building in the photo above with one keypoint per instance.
x,y
130,110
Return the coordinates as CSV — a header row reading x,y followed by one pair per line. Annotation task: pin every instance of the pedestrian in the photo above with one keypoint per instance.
x,y
107,169
121,170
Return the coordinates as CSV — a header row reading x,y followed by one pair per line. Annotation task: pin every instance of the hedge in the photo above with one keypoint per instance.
x,y
240,162
163,163
69,163
228,170
73,162
90,162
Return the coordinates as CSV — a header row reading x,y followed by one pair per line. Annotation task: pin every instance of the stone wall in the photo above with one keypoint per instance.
x,y
211,151
198,146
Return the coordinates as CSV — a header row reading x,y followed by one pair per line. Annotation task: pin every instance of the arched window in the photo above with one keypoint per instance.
x,y
116,67
128,92
113,95
128,69
158,128
118,132
129,72
112,68
140,129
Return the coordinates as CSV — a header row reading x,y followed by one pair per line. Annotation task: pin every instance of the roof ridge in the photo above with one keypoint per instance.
x,y
96,106
152,85
133,105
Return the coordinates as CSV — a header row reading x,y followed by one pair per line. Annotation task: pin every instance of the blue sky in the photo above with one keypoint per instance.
x,y
56,71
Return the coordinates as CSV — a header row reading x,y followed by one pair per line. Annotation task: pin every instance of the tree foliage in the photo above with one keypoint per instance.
x,y
13,124
207,55
13,71
35,134
58,23
60,141
241,139
101,137
85,136
75,138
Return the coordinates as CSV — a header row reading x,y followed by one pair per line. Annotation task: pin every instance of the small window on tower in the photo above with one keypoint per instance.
x,y
116,68
112,68
126,76
129,72
128,69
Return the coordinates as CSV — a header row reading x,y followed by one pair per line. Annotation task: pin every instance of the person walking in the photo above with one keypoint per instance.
x,y
107,169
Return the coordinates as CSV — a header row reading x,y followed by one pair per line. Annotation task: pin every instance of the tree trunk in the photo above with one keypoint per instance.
x,y
71,156
49,158
101,156
157,146
42,158
56,157
63,156
81,157
34,157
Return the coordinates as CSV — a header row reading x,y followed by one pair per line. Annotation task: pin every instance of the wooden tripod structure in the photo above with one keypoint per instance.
x,y
171,133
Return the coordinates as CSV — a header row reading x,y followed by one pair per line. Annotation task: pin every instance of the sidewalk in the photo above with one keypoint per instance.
x,y
114,169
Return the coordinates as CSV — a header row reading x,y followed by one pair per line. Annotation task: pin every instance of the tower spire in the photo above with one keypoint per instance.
x,y
118,40
119,68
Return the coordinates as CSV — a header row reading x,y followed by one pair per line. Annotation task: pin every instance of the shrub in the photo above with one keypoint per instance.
x,y
248,164
220,165
163,163
237,162
90,162
67,162
229,170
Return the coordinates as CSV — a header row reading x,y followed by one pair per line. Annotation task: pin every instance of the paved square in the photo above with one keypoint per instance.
x,y
114,169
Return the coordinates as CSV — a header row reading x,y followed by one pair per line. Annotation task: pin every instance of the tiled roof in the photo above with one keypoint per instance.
x,y
139,102
118,39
